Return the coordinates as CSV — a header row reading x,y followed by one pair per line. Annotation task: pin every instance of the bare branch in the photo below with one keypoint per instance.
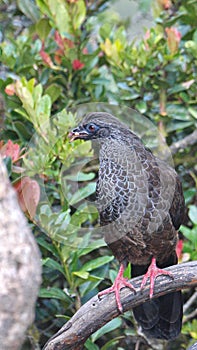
x,y
190,316
96,313
191,300
189,140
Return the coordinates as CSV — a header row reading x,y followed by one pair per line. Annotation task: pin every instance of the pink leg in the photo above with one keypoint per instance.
x,y
152,273
119,283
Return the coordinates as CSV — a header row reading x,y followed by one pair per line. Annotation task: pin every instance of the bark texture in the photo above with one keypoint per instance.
x,y
20,268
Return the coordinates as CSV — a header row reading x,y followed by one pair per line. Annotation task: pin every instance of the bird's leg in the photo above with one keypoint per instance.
x,y
119,283
152,273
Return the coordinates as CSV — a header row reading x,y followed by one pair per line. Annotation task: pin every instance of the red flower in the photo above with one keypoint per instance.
x,y
11,150
77,65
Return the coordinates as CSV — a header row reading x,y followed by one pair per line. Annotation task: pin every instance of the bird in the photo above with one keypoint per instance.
x,y
141,206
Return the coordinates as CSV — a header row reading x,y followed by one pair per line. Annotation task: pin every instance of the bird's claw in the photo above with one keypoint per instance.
x,y
119,283
152,273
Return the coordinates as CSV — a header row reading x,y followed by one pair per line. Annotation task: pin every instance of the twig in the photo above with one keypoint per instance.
x,y
96,313
190,301
189,140
190,316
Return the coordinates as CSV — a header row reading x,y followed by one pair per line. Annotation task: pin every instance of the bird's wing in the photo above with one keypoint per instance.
x,y
177,209
122,188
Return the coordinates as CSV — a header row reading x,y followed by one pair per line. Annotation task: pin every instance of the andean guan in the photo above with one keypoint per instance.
x,y
141,206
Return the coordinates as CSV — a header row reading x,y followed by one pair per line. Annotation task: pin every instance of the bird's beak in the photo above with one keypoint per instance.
x,y
77,133
73,136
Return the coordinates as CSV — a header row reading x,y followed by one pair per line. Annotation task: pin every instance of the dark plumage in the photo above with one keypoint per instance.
x,y
141,205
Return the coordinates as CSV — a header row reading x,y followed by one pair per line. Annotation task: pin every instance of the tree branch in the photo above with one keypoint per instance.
x,y
96,313
185,142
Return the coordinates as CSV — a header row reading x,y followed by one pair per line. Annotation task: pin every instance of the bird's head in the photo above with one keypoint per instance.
x,y
97,125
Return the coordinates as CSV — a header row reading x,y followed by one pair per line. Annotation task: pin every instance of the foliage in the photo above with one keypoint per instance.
x,y
62,54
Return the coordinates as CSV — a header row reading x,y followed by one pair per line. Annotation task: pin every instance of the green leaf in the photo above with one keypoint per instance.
x,y
41,241
174,126
176,88
83,193
52,264
191,235
29,8
37,93
53,91
79,11
80,177
58,14
193,214
82,274
22,112
127,271
111,343
141,107
91,246
53,292
178,112
112,275
193,112
22,130
189,195
90,346
78,218
95,263
43,28
8,163
43,109
109,327
93,278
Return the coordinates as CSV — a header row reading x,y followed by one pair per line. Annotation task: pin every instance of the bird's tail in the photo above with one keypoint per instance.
x,y
160,318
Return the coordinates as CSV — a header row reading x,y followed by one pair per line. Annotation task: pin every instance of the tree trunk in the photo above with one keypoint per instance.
x,y
20,269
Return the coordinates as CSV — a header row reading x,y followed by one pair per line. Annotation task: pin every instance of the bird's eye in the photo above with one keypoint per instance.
x,y
91,127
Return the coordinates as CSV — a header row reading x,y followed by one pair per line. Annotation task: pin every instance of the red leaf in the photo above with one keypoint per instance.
x,y
59,40
69,43
11,150
58,56
166,4
179,248
46,58
146,37
28,192
85,51
77,65
10,89
173,39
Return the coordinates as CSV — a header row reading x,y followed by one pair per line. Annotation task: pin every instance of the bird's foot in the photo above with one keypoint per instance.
x,y
119,283
152,273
